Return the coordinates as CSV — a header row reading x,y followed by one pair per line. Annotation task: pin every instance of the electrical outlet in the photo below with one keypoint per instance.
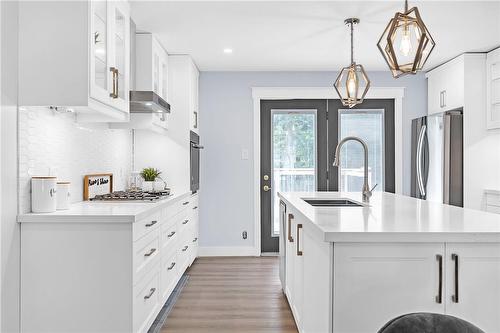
x,y
244,234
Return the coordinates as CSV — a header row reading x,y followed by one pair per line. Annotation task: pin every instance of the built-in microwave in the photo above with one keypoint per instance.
x,y
195,161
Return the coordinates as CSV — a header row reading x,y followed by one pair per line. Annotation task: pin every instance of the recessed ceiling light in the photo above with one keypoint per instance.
x,y
228,51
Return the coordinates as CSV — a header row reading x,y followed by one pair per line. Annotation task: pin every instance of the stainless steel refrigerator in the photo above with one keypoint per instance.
x,y
437,158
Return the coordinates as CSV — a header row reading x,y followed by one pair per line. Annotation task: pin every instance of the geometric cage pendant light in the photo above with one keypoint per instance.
x,y
352,83
406,43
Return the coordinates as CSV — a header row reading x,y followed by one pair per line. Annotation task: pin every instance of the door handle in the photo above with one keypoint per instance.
x,y
266,188
114,79
454,297
420,146
290,238
299,226
439,297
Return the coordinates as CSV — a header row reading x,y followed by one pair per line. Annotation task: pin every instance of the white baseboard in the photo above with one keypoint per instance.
x,y
227,251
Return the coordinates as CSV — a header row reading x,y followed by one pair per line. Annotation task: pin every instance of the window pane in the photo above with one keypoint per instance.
x,y
293,155
369,126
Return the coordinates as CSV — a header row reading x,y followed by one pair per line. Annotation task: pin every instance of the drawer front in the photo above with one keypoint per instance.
x,y
178,206
169,276
146,254
146,302
184,254
492,200
147,225
169,236
193,204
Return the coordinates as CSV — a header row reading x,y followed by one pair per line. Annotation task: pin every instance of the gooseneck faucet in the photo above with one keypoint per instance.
x,y
367,193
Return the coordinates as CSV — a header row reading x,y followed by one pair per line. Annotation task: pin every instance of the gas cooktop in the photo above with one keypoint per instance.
x,y
132,196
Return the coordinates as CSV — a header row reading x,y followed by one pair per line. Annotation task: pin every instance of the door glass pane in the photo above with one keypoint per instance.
x,y
369,126
100,43
293,155
120,51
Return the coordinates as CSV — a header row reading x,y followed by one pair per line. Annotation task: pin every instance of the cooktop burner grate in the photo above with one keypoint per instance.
x,y
131,196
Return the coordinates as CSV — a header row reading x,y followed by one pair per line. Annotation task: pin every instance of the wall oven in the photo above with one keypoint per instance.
x,y
195,161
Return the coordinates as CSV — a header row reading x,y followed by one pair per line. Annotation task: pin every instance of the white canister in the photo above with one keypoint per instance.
x,y
43,194
63,195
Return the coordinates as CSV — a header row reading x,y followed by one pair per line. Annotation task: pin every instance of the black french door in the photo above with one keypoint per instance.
x,y
298,141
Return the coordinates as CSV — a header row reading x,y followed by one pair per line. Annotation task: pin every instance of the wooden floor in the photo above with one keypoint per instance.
x,y
237,294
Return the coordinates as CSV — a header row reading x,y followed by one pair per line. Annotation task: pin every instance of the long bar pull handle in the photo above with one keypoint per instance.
x,y
290,238
150,252
439,297
420,146
299,226
151,292
454,297
114,94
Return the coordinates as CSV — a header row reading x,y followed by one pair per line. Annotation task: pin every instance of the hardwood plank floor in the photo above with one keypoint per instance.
x,y
232,294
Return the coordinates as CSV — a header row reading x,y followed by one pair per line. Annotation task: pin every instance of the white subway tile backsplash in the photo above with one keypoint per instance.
x,y
55,144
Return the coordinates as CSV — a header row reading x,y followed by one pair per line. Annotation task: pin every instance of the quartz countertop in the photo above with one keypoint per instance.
x,y
103,211
394,218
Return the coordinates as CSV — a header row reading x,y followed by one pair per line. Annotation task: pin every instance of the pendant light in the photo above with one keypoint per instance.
x,y
352,84
406,43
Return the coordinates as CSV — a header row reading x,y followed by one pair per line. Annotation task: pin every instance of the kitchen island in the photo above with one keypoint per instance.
x,y
352,268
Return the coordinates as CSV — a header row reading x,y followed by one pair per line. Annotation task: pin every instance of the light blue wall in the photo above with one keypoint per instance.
x,y
226,115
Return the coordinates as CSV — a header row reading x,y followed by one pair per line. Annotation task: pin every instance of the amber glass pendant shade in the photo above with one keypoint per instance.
x,y
352,83
406,43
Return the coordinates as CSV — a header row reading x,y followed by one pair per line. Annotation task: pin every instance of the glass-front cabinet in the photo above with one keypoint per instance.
x,y
110,49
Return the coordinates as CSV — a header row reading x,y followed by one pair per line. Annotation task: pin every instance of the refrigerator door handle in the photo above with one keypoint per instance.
x,y
420,146
447,157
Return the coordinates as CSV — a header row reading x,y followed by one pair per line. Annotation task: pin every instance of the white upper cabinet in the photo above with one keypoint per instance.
x,y
151,65
446,86
82,57
493,89
183,91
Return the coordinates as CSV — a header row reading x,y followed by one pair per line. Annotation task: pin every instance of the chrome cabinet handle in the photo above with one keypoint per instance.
x,y
117,89
299,226
151,292
195,207
420,146
171,234
185,222
185,203
290,238
114,94
195,239
439,297
185,248
454,298
152,223
150,252
172,265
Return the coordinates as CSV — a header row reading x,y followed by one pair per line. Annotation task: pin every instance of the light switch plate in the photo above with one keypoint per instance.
x,y
244,154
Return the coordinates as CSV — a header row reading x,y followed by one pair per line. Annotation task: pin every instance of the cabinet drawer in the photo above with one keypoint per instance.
x,y
492,200
169,234
146,254
146,225
146,301
178,206
169,275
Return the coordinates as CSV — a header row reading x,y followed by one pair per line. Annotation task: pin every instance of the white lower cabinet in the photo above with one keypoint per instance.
x,y
473,283
358,287
111,276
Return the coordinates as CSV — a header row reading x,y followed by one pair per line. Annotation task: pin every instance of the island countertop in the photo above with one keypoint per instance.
x,y
394,218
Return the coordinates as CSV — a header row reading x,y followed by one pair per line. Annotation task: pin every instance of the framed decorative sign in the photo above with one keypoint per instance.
x,y
100,183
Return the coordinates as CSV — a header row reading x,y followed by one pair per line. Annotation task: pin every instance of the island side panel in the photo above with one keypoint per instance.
x,y
76,277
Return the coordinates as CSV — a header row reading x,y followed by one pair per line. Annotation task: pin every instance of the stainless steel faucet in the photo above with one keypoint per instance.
x,y
367,193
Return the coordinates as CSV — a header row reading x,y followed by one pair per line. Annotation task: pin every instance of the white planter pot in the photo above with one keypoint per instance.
x,y
43,194
148,186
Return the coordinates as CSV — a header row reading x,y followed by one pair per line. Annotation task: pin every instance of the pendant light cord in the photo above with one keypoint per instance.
x,y
352,43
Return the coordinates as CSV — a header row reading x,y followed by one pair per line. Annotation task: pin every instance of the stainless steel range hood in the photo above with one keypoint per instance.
x,y
142,101
147,102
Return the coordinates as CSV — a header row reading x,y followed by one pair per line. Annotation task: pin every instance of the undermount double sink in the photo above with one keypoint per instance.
x,y
332,203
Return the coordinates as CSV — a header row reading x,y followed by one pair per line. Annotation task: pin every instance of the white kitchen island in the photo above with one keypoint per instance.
x,y
352,269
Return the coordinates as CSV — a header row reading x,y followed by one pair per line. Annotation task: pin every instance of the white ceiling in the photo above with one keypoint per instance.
x,y
308,35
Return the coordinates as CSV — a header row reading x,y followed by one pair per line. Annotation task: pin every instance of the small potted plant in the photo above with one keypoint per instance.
x,y
149,175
